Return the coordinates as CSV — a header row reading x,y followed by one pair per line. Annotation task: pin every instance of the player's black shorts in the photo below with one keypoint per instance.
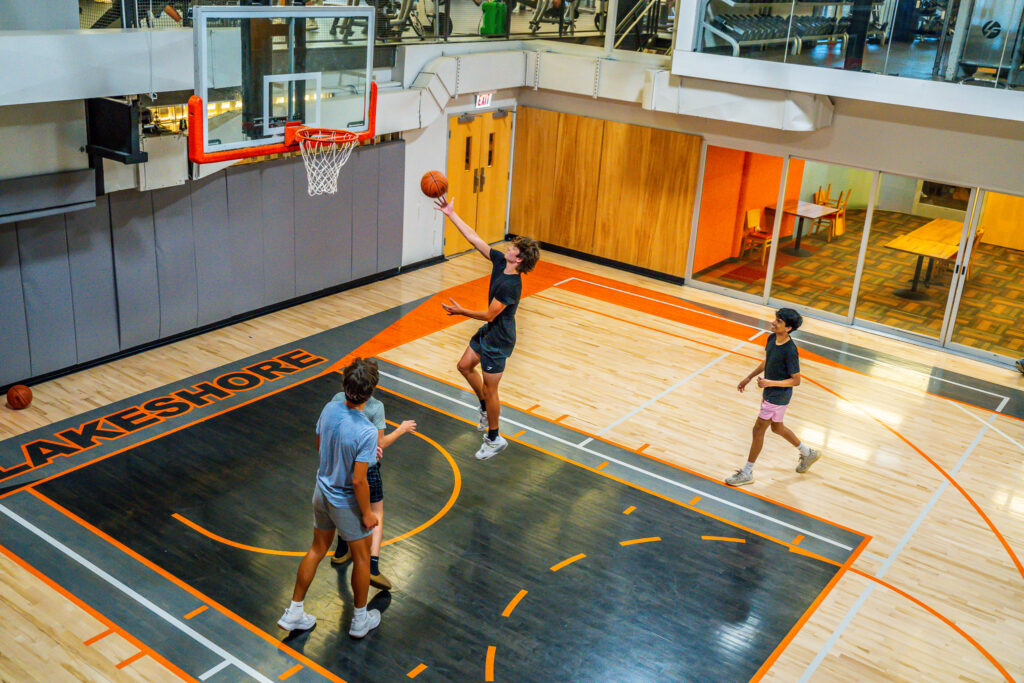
x,y
375,482
492,358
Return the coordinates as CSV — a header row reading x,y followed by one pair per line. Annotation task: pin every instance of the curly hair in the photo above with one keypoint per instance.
x,y
790,318
529,252
359,379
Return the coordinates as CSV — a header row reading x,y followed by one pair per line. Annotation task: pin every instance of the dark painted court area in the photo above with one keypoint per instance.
x,y
681,608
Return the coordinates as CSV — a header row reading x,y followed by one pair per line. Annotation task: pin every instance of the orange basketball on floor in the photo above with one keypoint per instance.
x,y
434,184
19,396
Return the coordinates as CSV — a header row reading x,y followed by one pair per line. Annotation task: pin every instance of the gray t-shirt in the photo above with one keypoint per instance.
x,y
346,437
781,361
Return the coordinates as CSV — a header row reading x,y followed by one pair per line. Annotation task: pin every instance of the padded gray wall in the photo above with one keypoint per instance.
x,y
142,266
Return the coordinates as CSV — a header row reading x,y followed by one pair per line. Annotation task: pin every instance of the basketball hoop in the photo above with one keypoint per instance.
x,y
324,152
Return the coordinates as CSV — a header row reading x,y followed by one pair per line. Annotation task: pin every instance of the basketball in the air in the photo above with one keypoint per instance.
x,y
19,396
434,184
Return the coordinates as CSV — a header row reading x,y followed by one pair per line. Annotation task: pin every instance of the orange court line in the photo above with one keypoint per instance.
x,y
723,538
98,637
565,563
641,449
695,500
417,671
137,655
519,433
197,610
234,544
95,613
559,419
651,539
533,408
602,465
512,603
796,541
489,664
629,510
189,589
290,672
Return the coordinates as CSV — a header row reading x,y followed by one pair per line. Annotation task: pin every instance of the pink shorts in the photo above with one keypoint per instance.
x,y
770,411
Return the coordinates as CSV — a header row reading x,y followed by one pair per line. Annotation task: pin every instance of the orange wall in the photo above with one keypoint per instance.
x,y
735,181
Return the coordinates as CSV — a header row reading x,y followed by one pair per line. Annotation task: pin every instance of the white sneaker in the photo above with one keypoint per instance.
x,y
296,621
807,460
360,627
483,425
489,449
741,478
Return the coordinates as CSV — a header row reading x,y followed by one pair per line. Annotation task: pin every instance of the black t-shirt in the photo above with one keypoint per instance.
x,y
500,333
781,362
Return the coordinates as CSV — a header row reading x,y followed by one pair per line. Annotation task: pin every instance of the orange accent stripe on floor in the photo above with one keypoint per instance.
x,y
234,544
629,510
489,664
695,500
512,603
723,538
533,408
137,655
652,539
189,589
602,465
96,614
641,449
290,672
565,563
417,671
796,541
98,637
197,610
519,434
559,419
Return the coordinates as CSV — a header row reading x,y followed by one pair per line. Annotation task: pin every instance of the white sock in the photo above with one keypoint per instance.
x,y
748,468
804,450
360,612
295,606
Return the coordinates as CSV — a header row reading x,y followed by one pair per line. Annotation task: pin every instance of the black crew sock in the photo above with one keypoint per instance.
x,y
342,547
483,406
374,564
492,434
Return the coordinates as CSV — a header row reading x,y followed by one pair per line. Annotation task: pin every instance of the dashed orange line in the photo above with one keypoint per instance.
x,y
512,604
629,510
796,541
641,449
98,637
137,655
723,538
565,563
533,408
197,610
694,501
489,665
559,419
417,671
602,465
519,434
651,539
290,672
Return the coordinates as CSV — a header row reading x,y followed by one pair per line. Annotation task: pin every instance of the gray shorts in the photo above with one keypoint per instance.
x,y
348,521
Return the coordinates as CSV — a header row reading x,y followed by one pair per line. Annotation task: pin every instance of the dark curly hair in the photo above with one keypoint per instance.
x,y
790,318
529,251
359,379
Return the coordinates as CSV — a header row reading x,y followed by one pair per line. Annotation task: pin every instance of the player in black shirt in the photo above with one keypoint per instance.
x,y
493,343
781,373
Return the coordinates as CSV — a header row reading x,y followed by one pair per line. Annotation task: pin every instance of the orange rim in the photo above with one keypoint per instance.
x,y
325,136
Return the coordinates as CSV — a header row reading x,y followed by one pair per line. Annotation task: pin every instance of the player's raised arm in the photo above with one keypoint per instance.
x,y
447,207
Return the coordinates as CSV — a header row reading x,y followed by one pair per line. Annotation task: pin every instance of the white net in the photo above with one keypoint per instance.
x,y
324,153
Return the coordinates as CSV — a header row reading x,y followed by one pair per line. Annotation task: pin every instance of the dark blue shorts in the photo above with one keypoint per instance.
x,y
376,485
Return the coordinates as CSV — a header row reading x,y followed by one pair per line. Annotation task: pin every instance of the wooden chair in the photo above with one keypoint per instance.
x,y
753,236
836,223
823,196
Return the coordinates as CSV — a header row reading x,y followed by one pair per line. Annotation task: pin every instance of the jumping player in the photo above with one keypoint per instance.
x,y
341,498
781,373
493,343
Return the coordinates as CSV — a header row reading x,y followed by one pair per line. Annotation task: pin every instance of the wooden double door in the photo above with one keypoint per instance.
x,y
479,147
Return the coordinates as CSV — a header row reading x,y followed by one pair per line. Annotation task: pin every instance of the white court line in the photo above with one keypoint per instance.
x,y
145,602
700,492
802,341
648,404
994,428
834,638
223,665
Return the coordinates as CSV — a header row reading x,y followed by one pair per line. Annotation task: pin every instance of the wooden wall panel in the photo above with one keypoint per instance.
x,y
533,175
577,160
648,182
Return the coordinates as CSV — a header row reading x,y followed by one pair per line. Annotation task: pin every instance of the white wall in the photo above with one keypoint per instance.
x,y
36,139
841,178
896,193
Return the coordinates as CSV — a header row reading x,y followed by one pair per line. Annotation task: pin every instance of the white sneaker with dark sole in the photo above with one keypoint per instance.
x,y
807,460
741,478
483,425
296,621
489,449
360,627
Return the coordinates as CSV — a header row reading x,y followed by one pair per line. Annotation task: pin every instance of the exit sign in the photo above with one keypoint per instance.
x,y
483,99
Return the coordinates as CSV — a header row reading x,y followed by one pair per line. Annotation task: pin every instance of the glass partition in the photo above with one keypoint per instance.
x,y
734,231
820,239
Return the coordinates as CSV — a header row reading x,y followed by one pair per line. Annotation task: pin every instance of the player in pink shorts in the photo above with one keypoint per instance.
x,y
781,368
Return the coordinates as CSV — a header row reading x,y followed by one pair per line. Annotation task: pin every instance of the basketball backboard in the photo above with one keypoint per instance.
x,y
260,68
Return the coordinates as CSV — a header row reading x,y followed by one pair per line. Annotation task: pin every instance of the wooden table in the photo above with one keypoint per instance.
x,y
938,239
802,210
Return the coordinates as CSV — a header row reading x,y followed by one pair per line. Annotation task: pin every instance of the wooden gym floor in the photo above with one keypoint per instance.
x,y
621,394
